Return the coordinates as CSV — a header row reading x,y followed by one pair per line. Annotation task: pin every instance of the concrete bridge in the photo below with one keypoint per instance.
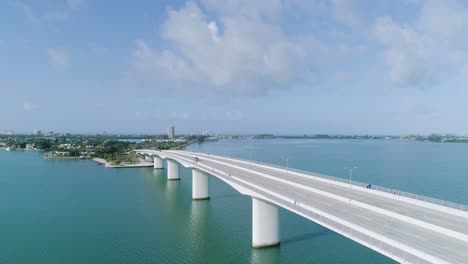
x,y
405,227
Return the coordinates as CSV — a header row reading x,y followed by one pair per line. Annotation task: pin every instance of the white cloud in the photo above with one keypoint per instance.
x,y
239,54
242,47
149,61
433,45
409,60
58,57
213,27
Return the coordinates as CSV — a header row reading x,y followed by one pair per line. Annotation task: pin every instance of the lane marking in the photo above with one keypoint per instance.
x,y
407,219
417,202
417,253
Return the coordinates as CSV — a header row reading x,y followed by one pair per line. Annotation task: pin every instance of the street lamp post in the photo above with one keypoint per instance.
x,y
350,178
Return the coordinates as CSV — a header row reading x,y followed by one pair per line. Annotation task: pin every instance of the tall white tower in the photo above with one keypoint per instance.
x,y
171,132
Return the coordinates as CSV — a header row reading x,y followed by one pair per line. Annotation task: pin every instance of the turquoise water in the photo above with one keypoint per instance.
x,y
74,211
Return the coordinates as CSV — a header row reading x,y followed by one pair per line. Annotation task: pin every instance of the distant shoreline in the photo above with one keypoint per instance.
x,y
140,164
63,158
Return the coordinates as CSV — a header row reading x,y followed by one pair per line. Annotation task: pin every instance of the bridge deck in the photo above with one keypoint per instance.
x,y
443,246
408,227
436,217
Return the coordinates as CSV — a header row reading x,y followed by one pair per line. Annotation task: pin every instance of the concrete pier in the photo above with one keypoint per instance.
x,y
265,224
404,227
172,170
199,185
158,163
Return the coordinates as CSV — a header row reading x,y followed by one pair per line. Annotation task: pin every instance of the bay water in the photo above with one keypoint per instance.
x,y
75,211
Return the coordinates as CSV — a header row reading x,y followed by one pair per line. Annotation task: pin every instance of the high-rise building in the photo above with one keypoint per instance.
x,y
37,132
171,132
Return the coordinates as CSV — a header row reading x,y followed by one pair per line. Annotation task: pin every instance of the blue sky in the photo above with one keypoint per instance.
x,y
246,66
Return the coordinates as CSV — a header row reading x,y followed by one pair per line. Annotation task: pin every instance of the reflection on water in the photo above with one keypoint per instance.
x,y
158,173
265,256
171,190
165,192
199,212
198,229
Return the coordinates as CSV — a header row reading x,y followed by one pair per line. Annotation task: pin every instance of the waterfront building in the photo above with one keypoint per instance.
x,y
171,132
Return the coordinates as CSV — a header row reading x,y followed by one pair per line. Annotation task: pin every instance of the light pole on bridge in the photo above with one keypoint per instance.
x,y
350,170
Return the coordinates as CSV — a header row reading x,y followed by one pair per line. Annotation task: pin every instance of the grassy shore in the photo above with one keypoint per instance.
x,y
110,151
139,164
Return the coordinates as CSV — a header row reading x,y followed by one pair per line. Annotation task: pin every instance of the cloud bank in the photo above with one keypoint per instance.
x,y
419,53
240,53
252,48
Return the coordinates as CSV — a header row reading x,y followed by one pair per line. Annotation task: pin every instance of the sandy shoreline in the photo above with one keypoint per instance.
x,y
140,164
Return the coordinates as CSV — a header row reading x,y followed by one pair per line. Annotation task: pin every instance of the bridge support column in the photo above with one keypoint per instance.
x,y
172,170
265,224
158,163
199,185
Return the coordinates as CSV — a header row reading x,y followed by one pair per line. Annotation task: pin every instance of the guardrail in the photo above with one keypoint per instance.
x,y
370,241
396,252
360,184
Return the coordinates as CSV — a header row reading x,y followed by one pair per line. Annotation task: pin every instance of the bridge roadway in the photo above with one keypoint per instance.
x,y
404,229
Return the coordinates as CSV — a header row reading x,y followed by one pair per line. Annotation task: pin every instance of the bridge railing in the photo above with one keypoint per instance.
x,y
396,252
379,245
361,184
380,188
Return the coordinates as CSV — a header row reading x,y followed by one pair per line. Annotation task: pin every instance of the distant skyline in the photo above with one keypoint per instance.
x,y
235,67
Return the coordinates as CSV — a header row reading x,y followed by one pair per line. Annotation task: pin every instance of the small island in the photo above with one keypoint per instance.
x,y
117,151
112,151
